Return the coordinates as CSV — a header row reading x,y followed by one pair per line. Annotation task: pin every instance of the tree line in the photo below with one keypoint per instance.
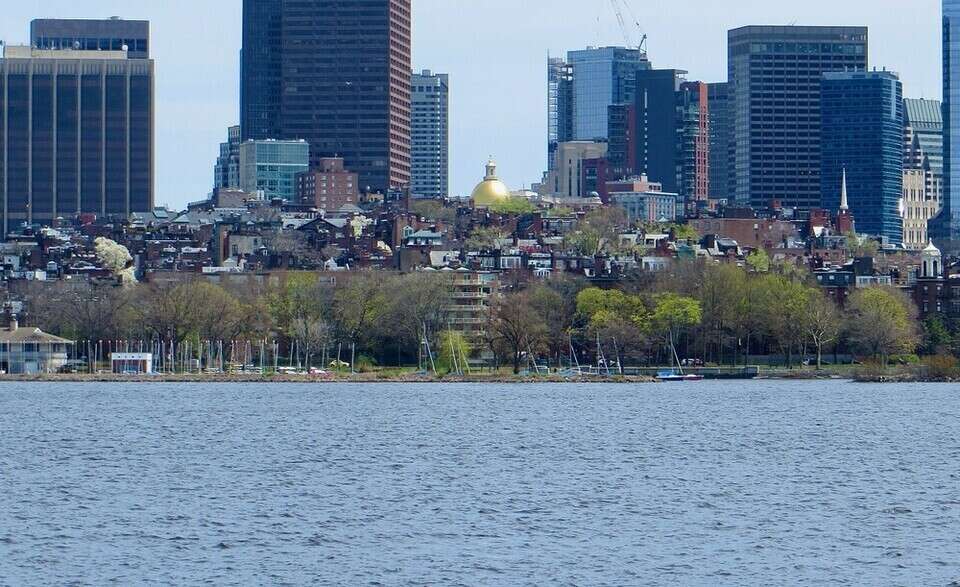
x,y
712,313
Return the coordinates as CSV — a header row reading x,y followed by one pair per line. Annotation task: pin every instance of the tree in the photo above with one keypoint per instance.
x,y
311,336
455,351
672,315
420,305
759,261
821,322
483,239
513,206
434,210
723,296
515,329
881,322
358,305
598,232
936,336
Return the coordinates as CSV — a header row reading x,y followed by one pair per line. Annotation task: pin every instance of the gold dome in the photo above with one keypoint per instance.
x,y
491,190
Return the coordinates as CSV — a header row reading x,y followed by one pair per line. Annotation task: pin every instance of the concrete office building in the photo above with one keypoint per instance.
x,y
576,173
721,141
76,135
329,187
226,172
945,228
111,34
271,167
862,133
922,169
336,74
774,85
430,135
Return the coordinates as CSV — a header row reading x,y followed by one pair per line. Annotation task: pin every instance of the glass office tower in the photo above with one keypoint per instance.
x,y
271,167
862,132
945,228
602,77
76,135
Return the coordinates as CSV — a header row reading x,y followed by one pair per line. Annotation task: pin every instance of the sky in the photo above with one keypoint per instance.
x,y
495,52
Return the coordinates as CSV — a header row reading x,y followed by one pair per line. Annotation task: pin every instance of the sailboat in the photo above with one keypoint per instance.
x,y
677,374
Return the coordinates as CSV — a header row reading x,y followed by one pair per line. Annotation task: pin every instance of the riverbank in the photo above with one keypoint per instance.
x,y
329,378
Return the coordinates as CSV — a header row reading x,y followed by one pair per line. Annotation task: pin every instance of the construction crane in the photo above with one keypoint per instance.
x,y
621,6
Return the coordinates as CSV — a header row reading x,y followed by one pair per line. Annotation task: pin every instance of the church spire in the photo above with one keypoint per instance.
x,y
844,205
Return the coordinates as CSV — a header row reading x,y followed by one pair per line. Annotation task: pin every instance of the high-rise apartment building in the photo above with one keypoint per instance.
x,y
226,172
602,77
721,141
113,34
774,86
430,135
862,133
945,228
336,74
621,144
76,134
272,167
922,169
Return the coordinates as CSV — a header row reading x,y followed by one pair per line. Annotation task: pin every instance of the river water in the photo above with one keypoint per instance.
x,y
756,483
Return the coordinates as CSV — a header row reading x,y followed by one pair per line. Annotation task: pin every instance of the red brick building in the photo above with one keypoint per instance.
x,y
329,187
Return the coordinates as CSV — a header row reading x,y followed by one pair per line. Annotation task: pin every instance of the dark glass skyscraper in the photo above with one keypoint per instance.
x,y
672,132
774,78
76,134
862,132
335,73
721,141
945,228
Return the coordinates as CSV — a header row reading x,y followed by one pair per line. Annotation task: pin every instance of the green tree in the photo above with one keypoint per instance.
x,y
513,206
759,261
483,238
672,315
881,322
455,352
936,336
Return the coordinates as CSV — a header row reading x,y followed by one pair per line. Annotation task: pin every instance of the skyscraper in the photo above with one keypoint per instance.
x,y
672,132
721,141
774,77
336,74
76,134
226,173
945,228
559,106
602,77
862,133
922,169
111,34
430,135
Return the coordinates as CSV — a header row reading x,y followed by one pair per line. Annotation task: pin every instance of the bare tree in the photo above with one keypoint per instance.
x,y
515,328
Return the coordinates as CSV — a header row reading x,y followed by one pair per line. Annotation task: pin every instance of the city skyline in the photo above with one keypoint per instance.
x,y
497,108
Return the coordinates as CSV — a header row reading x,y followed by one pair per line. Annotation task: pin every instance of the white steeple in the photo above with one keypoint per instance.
x,y
932,258
844,205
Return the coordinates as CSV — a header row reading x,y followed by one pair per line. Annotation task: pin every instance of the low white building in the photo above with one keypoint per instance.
x,y
30,351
